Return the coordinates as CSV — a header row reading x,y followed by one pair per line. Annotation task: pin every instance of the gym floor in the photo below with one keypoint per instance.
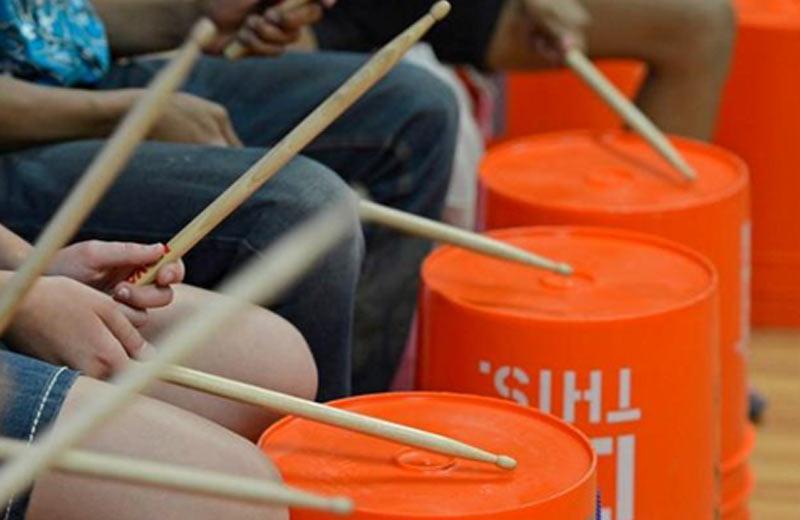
x,y
775,371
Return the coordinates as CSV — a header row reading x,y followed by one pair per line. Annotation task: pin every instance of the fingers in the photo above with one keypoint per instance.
x,y
295,19
123,330
106,356
170,274
108,255
137,317
144,297
255,45
559,25
226,128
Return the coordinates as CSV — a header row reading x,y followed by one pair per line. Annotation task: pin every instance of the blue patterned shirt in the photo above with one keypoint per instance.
x,y
57,42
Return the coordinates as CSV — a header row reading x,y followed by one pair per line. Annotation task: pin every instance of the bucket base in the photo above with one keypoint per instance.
x,y
737,477
739,507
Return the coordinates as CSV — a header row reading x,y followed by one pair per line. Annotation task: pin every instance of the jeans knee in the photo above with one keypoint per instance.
x,y
427,100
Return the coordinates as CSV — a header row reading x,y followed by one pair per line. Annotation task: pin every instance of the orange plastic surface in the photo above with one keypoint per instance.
x,y
760,121
616,277
609,172
548,101
626,350
555,475
613,179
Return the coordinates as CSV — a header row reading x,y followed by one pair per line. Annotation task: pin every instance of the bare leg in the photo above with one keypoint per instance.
x,y
687,45
258,348
151,430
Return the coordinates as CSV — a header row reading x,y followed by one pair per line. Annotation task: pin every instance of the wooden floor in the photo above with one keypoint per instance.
x,y
775,371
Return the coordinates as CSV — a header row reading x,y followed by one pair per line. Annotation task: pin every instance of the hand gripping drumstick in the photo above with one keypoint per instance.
x,y
322,117
639,122
184,479
437,231
324,414
261,281
103,170
236,50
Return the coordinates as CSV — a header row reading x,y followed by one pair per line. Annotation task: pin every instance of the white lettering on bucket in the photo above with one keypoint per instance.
x,y
593,396
514,383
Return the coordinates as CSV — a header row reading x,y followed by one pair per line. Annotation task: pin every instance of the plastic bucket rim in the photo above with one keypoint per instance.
x,y
733,464
737,164
742,498
590,474
647,238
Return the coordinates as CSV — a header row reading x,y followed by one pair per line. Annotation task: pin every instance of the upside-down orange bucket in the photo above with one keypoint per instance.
x,y
625,349
555,477
614,180
760,121
552,100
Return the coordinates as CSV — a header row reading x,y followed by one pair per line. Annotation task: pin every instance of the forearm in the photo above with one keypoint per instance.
x,y
13,249
145,26
33,114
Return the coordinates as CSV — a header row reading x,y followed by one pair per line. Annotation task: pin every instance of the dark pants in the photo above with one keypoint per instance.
x,y
398,142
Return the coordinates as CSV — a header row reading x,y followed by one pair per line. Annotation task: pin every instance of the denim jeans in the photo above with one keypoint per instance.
x,y
31,395
398,142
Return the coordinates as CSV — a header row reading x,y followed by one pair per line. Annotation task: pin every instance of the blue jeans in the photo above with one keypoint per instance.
x,y
398,142
31,396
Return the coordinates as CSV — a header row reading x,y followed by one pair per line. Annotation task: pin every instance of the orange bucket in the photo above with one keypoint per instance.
x,y
625,349
760,121
615,180
555,477
557,99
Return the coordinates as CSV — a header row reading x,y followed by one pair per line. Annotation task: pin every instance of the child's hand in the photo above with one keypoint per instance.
x,y
65,322
107,265
558,25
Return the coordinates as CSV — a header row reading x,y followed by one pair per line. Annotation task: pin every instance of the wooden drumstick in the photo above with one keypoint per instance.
x,y
103,171
236,50
183,479
321,413
313,125
430,229
262,281
639,122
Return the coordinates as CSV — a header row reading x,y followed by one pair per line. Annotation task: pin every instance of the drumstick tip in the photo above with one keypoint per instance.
x,y
440,10
203,32
565,269
505,462
341,506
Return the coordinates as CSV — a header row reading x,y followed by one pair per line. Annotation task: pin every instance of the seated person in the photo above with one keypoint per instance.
x,y
63,95
69,319
686,44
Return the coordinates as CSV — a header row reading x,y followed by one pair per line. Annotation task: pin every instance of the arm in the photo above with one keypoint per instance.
x,y
163,24
159,24
33,114
13,249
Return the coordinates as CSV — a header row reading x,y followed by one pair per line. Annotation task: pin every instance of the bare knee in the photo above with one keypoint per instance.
x,y
151,430
695,34
295,362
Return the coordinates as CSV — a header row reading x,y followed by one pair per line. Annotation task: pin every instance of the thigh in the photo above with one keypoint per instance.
x,y
257,347
150,430
162,188
406,117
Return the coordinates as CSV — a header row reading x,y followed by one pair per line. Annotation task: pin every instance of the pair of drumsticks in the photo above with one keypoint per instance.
x,y
263,281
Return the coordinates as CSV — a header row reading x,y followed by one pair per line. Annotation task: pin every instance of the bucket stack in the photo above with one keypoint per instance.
x,y
612,179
